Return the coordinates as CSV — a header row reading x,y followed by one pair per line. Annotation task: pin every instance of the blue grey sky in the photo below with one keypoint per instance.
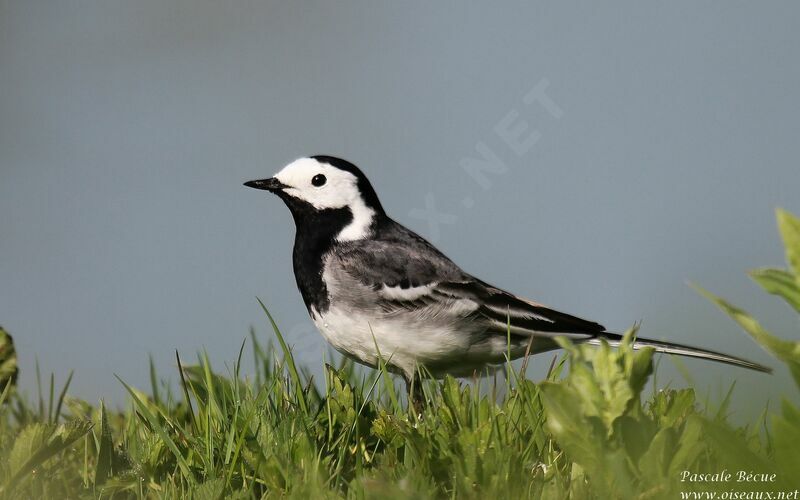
x,y
668,136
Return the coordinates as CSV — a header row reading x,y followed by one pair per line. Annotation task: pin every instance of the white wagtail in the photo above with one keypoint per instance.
x,y
377,290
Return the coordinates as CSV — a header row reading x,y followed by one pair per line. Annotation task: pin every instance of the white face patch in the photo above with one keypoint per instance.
x,y
340,190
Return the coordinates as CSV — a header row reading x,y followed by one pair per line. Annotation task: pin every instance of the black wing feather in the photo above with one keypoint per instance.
x,y
502,308
398,257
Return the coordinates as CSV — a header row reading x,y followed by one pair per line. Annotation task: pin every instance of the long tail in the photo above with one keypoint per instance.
x,y
614,340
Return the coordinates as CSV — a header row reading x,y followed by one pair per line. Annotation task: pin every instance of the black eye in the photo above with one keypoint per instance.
x,y
318,180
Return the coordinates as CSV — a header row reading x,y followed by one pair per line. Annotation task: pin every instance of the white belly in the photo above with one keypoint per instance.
x,y
402,345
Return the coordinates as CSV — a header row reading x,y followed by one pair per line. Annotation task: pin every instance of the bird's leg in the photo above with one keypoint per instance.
x,y
416,397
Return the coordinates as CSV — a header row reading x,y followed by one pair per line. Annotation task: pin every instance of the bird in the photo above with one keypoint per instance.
x,y
380,293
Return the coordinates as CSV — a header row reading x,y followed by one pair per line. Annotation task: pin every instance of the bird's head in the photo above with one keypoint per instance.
x,y
325,187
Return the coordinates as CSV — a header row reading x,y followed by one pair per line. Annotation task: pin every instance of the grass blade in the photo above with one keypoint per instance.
x,y
159,429
287,354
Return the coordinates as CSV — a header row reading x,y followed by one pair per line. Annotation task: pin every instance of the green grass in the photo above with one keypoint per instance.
x,y
589,430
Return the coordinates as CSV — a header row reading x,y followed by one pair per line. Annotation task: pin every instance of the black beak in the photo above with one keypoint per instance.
x,y
271,184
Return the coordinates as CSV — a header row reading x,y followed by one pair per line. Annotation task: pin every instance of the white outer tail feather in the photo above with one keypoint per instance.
x,y
614,340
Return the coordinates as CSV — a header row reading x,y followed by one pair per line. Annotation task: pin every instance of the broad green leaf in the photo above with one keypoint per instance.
x,y
690,446
779,282
786,434
608,381
671,407
614,385
582,440
731,450
638,368
636,434
587,389
38,443
789,227
30,439
654,464
210,490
